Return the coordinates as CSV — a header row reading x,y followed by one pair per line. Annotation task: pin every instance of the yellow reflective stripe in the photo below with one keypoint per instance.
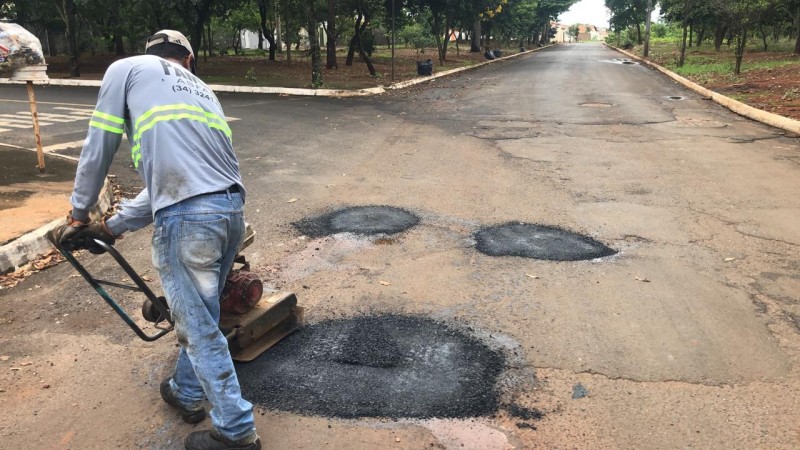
x,y
212,120
136,158
156,109
223,125
109,117
105,127
136,155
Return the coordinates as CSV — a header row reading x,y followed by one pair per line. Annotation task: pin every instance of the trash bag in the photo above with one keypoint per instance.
x,y
522,49
489,55
425,67
497,53
18,48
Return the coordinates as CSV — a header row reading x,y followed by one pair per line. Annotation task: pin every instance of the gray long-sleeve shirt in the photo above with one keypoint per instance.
x,y
181,143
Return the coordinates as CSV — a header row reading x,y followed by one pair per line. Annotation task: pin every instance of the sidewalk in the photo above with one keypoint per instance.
x,y
32,203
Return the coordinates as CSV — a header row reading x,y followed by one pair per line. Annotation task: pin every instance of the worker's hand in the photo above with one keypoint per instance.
x,y
63,236
85,237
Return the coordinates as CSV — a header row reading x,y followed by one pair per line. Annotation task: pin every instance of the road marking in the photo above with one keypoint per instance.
x,y
47,103
63,146
22,119
82,111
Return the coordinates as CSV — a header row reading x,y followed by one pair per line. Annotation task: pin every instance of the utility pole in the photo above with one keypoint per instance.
x,y
647,28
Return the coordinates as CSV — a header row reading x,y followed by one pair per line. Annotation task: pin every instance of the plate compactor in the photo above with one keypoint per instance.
x,y
251,324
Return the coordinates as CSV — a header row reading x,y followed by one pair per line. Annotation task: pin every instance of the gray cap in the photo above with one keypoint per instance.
x,y
171,36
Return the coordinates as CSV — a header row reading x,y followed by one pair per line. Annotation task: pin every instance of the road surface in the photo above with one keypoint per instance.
x,y
687,337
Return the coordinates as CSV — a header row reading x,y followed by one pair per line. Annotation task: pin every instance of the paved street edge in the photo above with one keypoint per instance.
x,y
296,91
34,244
765,117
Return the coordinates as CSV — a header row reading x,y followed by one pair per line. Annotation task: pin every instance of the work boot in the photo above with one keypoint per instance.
x,y
188,415
212,440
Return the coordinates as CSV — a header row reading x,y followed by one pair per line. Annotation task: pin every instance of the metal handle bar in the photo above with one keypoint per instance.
x,y
141,286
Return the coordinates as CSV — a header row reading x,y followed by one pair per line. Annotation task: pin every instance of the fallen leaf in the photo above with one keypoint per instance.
x,y
45,386
16,368
26,363
535,277
292,200
146,278
385,283
643,280
728,259
395,439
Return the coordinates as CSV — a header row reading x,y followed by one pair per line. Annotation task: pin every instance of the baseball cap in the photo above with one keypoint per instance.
x,y
173,37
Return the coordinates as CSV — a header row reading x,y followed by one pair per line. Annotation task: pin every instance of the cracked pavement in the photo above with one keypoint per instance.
x,y
689,337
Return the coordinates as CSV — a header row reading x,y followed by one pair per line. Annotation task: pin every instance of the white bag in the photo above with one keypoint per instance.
x,y
18,48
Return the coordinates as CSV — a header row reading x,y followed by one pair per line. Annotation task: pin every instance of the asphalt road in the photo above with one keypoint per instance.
x,y
687,337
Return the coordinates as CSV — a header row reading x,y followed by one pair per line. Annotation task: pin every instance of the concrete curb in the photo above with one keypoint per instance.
x,y
340,93
759,115
413,81
34,244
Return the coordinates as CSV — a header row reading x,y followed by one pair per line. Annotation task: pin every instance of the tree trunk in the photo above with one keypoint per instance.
x,y
119,44
797,29
691,33
701,35
719,36
763,33
330,31
475,42
266,32
741,44
683,45
313,42
351,50
649,12
287,35
69,17
359,39
638,33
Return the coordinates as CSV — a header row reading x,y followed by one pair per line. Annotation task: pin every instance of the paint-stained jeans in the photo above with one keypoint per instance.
x,y
194,244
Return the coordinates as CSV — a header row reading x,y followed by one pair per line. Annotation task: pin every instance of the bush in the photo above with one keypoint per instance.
x,y
659,30
415,36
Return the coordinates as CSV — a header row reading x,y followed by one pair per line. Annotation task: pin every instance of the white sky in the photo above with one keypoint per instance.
x,y
592,12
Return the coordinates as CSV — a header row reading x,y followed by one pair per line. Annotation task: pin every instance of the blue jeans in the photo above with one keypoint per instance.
x,y
194,244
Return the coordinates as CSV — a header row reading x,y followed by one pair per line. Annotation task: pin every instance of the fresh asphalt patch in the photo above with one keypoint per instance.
x,y
538,242
361,220
388,366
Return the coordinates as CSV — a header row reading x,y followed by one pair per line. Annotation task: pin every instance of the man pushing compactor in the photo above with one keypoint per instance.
x,y
181,147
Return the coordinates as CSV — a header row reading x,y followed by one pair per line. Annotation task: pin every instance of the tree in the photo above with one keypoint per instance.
x,y
69,15
267,26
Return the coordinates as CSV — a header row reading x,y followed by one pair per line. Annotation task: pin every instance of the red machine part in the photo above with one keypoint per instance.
x,y
242,292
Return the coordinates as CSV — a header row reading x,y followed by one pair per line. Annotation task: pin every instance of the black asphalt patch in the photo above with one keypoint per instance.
x,y
388,366
538,242
363,220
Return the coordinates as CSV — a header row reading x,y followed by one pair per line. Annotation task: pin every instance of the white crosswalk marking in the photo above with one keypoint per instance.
x,y
22,119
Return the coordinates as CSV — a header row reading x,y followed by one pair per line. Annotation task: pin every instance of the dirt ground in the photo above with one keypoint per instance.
x,y
259,71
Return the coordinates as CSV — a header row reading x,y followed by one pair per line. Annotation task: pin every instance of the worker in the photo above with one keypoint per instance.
x,y
181,147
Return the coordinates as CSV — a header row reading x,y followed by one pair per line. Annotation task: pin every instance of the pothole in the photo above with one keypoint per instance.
x,y
376,366
363,220
596,105
620,61
538,242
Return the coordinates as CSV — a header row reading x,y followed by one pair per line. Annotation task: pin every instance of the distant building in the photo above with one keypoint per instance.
x,y
562,33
